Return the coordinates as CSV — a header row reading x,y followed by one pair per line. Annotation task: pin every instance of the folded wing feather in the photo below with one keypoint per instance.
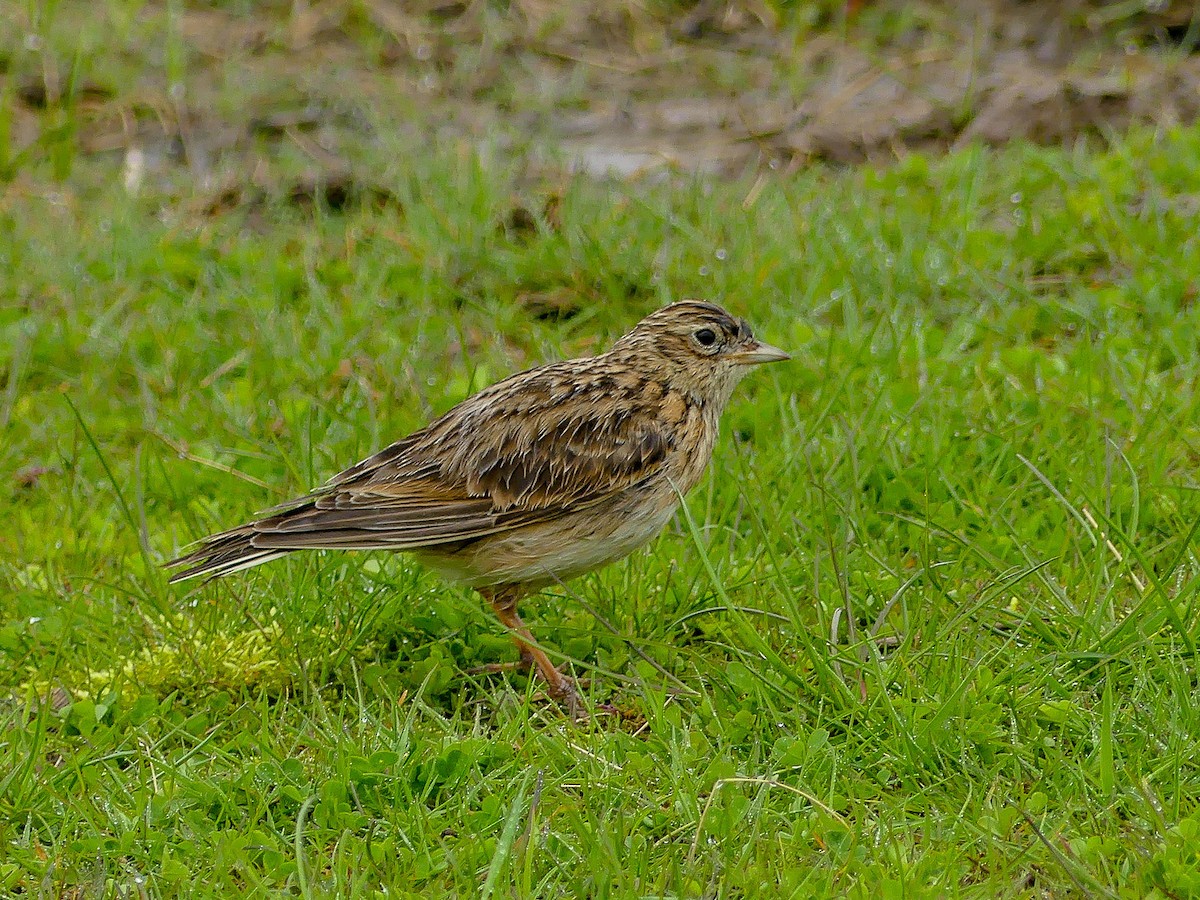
x,y
483,468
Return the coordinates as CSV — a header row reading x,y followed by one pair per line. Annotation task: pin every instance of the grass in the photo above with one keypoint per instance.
x,y
207,92
928,629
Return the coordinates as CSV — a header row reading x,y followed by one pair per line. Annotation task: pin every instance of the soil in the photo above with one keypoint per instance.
x,y
611,89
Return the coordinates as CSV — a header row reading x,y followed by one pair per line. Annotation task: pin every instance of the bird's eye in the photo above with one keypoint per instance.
x,y
705,337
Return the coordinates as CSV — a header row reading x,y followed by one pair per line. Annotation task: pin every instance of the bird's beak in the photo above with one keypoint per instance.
x,y
758,352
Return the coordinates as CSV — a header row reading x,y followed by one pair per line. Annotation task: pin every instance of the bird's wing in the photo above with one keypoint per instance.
x,y
510,456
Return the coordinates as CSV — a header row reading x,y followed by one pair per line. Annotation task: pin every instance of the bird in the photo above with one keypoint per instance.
x,y
546,475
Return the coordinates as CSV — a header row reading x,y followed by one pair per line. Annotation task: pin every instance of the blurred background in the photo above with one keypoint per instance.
x,y
225,103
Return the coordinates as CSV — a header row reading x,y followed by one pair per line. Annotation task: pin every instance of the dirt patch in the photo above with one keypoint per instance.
x,y
200,96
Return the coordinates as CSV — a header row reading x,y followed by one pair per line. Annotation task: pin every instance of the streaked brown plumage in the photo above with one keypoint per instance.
x,y
543,476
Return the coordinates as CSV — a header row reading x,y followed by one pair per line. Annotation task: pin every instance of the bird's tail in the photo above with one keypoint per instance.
x,y
222,554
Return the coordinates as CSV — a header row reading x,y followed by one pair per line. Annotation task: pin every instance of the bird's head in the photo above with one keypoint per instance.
x,y
704,349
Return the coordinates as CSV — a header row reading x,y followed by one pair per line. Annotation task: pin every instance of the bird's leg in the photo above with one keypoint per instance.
x,y
504,601
524,665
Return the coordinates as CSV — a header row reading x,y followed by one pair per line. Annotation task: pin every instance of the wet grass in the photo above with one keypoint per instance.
x,y
929,627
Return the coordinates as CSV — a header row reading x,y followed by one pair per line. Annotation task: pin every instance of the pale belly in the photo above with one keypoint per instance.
x,y
549,552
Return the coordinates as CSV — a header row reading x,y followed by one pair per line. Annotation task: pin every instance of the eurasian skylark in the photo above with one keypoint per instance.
x,y
546,475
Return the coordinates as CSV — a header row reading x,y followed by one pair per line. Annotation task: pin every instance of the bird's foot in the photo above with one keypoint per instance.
x,y
559,687
564,690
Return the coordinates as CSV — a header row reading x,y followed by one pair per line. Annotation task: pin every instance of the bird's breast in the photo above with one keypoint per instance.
x,y
695,438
